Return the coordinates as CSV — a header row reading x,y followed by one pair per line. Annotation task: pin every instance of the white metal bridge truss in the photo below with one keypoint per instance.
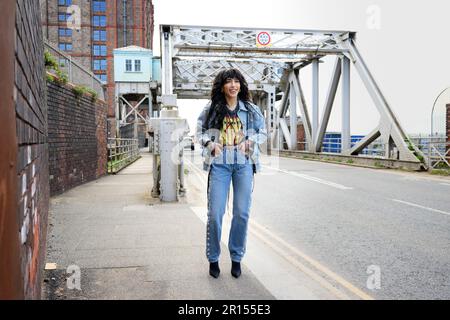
x,y
130,111
192,56
127,109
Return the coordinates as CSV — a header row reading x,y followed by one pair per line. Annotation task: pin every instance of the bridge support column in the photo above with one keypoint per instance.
x,y
270,116
293,119
315,99
346,135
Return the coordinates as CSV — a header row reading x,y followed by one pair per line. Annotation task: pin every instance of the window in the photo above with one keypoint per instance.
x,y
99,6
65,32
65,2
128,66
99,50
100,64
102,77
63,17
99,21
65,46
99,35
137,65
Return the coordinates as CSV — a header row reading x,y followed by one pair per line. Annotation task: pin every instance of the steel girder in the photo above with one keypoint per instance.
x,y
242,42
126,109
198,75
197,53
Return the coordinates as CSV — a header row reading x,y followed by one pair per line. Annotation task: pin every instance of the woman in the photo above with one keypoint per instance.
x,y
230,128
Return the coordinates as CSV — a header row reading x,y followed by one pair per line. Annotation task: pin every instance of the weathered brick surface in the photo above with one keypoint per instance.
x,y
300,137
77,138
32,158
78,141
448,128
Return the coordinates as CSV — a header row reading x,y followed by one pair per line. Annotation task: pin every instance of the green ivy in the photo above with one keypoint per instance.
x,y
411,148
50,61
52,64
62,78
79,91
50,78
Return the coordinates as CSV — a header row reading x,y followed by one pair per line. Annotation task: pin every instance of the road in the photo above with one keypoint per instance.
x,y
378,233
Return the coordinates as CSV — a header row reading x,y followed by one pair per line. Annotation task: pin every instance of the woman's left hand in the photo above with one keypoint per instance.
x,y
246,147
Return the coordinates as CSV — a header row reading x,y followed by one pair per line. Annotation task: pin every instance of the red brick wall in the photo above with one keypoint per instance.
x,y
24,152
77,138
11,280
102,138
32,156
300,137
448,128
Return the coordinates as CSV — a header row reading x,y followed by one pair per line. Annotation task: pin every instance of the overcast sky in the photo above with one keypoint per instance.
x,y
405,44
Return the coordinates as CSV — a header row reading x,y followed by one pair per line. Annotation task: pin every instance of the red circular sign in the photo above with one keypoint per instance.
x,y
263,38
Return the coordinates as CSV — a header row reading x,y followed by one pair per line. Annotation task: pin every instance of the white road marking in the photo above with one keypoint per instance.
x,y
446,184
311,178
421,207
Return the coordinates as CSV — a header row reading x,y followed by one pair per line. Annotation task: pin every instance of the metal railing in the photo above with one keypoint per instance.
x,y
76,73
334,145
436,149
121,153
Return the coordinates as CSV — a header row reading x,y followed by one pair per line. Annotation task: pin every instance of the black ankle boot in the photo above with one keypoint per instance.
x,y
235,269
214,270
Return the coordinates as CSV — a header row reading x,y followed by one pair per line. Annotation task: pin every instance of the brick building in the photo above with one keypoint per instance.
x,y
89,30
448,127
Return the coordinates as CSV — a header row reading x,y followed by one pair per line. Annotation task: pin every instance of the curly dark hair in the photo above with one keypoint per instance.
x,y
218,101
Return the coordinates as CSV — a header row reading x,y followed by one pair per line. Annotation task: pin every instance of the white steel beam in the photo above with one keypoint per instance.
x,y
336,75
390,126
284,44
283,105
271,118
295,83
315,99
196,53
371,137
346,134
166,59
197,75
286,134
293,119
134,109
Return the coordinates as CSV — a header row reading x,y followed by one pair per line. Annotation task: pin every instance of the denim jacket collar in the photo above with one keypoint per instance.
x,y
242,106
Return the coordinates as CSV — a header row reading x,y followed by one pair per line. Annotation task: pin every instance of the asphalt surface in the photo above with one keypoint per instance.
x,y
385,232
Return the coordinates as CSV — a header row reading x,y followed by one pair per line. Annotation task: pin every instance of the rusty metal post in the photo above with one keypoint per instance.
x,y
11,283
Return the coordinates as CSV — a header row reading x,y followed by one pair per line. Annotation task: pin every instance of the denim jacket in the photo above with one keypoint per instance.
x,y
254,131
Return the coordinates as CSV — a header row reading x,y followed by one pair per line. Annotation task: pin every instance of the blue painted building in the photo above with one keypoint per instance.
x,y
133,64
332,142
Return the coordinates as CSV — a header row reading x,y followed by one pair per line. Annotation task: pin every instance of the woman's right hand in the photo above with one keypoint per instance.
x,y
215,148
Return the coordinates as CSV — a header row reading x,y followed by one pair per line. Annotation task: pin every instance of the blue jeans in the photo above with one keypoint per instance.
x,y
220,176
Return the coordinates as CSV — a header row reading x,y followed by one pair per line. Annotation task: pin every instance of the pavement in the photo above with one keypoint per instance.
x,y
109,239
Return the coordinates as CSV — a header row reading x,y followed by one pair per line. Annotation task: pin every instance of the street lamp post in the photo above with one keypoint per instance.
x,y
432,128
